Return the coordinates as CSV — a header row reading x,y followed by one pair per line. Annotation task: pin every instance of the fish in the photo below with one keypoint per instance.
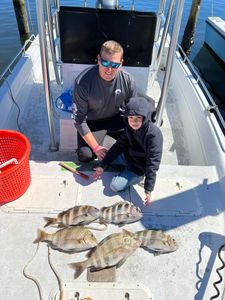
x,y
111,251
77,215
72,239
120,213
157,241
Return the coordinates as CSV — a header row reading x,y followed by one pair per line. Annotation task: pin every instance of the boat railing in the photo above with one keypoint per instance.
x,y
170,60
52,23
155,66
9,68
213,107
41,13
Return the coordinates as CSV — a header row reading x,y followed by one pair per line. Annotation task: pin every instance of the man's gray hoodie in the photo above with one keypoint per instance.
x,y
142,148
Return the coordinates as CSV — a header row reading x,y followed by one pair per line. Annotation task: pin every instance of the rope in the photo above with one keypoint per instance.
x,y
27,275
217,271
61,295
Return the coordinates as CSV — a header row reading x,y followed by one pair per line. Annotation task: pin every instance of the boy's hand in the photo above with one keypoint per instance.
x,y
147,199
98,172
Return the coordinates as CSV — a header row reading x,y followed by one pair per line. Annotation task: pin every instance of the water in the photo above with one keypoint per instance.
x,y
11,42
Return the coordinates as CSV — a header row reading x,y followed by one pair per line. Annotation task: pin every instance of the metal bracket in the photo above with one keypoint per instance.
x,y
212,108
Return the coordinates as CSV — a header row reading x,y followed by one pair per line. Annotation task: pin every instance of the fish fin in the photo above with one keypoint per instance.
x,y
120,263
61,226
41,236
102,221
50,221
128,232
157,253
121,224
79,268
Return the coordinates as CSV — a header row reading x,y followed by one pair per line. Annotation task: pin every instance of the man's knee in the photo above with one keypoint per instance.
x,y
85,154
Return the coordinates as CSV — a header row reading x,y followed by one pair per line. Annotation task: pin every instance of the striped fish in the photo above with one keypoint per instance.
x,y
73,239
120,213
157,241
111,251
77,215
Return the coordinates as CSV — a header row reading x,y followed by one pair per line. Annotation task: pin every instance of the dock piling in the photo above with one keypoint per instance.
x,y
21,16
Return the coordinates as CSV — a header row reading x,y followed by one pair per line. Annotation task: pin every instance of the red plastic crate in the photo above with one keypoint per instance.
x,y
14,178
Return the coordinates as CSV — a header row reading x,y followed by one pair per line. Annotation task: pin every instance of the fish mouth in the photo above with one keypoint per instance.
x,y
170,244
136,212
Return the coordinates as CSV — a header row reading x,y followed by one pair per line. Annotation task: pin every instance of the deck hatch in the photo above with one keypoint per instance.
x,y
172,197
55,197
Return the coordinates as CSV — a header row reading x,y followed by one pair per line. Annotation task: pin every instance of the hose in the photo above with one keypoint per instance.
x,y
27,275
61,295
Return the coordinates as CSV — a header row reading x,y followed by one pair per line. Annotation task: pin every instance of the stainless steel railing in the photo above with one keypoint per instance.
x,y
169,62
41,8
9,68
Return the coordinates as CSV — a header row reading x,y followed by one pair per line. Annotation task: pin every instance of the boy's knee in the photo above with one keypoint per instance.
x,y
117,186
85,154
113,187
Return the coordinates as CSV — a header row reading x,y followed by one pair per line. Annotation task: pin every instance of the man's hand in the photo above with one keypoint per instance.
x,y
98,172
147,199
100,152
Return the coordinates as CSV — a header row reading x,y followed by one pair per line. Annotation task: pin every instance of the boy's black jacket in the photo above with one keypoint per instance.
x,y
142,148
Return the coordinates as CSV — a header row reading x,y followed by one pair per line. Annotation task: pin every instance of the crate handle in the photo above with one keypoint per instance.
x,y
8,162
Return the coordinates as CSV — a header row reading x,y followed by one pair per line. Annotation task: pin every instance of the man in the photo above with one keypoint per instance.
x,y
100,93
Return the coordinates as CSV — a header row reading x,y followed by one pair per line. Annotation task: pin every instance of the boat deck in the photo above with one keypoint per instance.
x,y
187,203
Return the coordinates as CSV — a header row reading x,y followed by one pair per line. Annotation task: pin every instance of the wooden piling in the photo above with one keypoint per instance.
x,y
188,36
21,16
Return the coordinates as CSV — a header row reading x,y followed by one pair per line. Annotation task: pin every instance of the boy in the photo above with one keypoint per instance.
x,y
140,147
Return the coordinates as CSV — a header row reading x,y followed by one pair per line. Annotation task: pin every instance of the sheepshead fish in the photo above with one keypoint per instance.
x,y
111,251
77,215
157,241
73,239
120,213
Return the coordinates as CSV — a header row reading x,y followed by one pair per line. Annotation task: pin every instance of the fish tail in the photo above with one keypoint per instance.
x,y
79,268
50,221
41,236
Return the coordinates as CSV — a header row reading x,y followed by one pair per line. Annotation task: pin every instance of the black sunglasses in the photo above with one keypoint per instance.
x,y
106,63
